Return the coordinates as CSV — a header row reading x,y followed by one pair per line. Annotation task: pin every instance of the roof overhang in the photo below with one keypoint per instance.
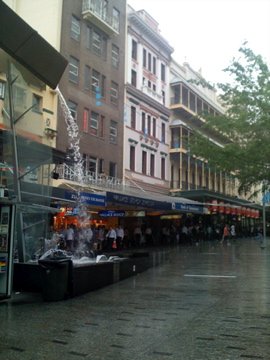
x,y
204,196
31,50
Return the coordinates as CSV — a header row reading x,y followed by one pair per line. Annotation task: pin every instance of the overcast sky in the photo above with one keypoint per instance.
x,y
208,33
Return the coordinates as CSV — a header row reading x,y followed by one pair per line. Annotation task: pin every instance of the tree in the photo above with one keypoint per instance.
x,y
242,133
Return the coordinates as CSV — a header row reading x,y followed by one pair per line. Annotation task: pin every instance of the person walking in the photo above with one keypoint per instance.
x,y
225,234
119,237
70,238
111,236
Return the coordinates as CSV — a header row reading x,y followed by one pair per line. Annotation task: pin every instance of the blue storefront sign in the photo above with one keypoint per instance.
x,y
188,207
86,198
112,213
138,202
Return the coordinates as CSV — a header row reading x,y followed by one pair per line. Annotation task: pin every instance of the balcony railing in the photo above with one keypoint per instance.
x,y
91,178
153,94
96,12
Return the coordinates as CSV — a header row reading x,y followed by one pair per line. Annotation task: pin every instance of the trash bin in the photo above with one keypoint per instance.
x,y
56,278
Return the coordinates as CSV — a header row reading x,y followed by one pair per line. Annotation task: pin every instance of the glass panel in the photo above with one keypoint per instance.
x,y
26,165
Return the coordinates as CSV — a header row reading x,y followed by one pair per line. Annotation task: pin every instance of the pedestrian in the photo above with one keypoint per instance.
x,y
233,232
119,237
111,237
148,236
137,236
225,234
69,238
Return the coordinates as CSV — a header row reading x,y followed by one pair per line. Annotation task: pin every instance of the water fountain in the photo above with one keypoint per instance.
x,y
82,253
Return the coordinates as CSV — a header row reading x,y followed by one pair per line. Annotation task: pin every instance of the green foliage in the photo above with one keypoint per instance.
x,y
244,128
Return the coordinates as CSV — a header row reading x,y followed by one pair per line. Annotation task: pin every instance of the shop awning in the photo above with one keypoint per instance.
x,y
153,201
204,196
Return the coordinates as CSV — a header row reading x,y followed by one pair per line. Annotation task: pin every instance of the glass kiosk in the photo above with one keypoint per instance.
x,y
6,249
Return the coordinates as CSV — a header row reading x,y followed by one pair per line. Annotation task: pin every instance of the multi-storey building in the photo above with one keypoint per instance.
x,y
147,140
191,176
93,40
90,34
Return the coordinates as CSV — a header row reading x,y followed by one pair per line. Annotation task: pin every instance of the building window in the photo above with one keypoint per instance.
x,y
113,169
113,132
101,166
114,93
163,168
96,42
115,56
163,97
19,96
152,165
144,58
73,109
87,78
132,158
199,105
154,65
133,118
154,126
154,87
149,125
144,162
133,78
163,75
94,123
192,101
163,133
143,123
149,62
134,50
37,103
98,83
184,96
2,90
92,165
85,120
116,19
75,28
73,69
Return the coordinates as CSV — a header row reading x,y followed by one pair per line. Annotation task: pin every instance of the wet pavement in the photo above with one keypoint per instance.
x,y
207,302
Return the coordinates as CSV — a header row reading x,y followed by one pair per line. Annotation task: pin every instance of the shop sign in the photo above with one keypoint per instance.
x,y
86,198
140,213
188,207
213,207
248,212
136,201
233,210
111,213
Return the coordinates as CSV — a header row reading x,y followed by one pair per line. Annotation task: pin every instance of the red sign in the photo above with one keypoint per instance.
x,y
221,207
227,209
213,207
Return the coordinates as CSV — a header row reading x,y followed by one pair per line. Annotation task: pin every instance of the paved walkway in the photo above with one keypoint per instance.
x,y
207,302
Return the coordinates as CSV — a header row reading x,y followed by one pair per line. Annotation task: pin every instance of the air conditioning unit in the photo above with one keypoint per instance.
x,y
3,193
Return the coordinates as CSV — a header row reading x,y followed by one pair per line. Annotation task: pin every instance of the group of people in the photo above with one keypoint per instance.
x,y
72,238
117,238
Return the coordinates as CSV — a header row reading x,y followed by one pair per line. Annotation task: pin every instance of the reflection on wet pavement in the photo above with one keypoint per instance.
x,y
206,302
